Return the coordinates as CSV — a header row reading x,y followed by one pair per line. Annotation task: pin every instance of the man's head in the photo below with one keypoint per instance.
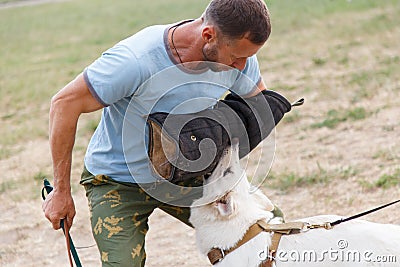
x,y
234,30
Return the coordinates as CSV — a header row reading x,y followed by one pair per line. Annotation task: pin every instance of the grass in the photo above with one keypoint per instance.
x,y
335,117
45,49
48,45
5,153
301,14
385,181
40,176
6,186
37,180
287,181
91,126
386,155
333,49
284,182
292,117
388,180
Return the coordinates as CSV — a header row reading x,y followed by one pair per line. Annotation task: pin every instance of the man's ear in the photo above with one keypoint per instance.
x,y
208,33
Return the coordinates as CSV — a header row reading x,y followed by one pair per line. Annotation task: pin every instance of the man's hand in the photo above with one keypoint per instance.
x,y
58,206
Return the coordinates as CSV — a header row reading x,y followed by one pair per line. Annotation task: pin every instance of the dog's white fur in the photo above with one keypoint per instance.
x,y
229,206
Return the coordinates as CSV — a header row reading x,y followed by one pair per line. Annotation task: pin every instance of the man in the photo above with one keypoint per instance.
x,y
230,32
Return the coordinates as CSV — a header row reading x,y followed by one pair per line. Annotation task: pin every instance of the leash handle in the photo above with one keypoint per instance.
x,y
70,245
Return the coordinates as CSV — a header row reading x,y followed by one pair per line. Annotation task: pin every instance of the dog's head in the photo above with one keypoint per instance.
x,y
227,190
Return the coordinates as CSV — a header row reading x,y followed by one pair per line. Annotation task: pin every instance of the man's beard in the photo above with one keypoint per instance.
x,y
210,59
210,54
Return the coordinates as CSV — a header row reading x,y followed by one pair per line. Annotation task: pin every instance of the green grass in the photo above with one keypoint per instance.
x,y
91,126
292,117
40,176
386,155
287,181
293,15
335,117
7,186
45,46
385,181
322,38
4,153
388,180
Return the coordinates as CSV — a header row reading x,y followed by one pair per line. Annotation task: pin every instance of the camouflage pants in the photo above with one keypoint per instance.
x,y
119,215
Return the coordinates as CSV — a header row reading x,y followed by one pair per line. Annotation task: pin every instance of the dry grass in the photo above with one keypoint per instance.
x,y
339,153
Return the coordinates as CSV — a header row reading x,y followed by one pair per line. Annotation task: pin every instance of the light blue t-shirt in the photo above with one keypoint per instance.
x,y
139,76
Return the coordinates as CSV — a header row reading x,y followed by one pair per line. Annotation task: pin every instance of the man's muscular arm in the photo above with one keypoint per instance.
x,y
66,107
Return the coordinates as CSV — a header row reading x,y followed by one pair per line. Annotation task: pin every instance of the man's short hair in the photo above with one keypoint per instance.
x,y
239,18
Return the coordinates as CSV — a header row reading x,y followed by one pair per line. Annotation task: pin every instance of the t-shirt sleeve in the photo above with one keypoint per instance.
x,y
113,76
249,78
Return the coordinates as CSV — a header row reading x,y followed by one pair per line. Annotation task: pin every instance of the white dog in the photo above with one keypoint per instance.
x,y
229,207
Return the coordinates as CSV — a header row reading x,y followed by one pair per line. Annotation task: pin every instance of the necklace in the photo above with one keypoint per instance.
x,y
172,41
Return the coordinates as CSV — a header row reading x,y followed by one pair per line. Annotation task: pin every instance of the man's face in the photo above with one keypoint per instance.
x,y
231,53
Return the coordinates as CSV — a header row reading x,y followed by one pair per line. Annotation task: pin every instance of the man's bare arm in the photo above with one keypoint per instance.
x,y
66,107
260,87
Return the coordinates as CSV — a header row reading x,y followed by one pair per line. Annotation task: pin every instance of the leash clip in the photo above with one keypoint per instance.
x,y
326,226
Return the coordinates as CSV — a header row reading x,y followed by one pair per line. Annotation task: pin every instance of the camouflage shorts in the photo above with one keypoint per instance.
x,y
119,215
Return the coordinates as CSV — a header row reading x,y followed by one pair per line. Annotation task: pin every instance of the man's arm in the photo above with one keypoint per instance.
x,y
66,107
260,87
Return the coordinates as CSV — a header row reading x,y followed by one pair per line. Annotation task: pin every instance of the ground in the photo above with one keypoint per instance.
x,y
337,154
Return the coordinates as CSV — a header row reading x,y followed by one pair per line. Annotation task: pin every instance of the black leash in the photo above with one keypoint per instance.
x,y
48,188
363,213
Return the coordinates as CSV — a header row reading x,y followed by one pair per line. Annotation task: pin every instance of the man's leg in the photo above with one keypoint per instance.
x,y
119,217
